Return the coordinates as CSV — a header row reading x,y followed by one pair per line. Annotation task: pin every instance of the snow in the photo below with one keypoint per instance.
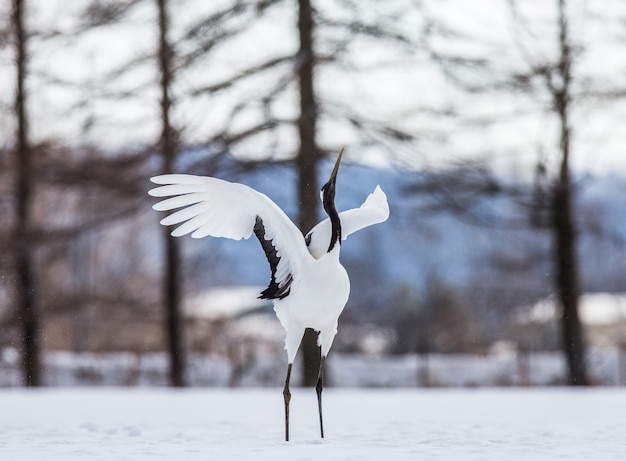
x,y
218,424
255,365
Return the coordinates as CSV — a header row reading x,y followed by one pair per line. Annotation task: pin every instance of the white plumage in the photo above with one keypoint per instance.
x,y
218,208
309,286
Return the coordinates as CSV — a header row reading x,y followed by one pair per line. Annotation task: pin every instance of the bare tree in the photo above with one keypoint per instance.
x,y
307,60
26,290
562,209
171,283
97,14
78,192
555,83
307,162
558,81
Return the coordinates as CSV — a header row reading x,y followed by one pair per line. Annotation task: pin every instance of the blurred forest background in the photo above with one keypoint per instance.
x,y
496,129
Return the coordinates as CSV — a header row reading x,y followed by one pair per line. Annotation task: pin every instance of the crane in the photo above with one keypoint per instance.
x,y
309,287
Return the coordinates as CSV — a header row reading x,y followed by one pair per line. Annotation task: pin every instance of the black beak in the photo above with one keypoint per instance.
x,y
333,175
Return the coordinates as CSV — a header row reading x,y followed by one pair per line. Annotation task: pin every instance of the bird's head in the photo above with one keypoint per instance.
x,y
328,189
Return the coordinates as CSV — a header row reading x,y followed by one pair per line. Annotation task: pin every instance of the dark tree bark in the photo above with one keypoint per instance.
x,y
307,161
171,282
26,285
566,264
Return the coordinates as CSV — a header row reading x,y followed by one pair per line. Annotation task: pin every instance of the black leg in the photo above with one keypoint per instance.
x,y
287,396
318,389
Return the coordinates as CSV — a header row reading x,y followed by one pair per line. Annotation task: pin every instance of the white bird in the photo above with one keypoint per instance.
x,y
309,287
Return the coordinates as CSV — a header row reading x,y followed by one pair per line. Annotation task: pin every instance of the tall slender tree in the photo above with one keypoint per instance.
x,y
563,226
168,144
543,71
307,161
26,284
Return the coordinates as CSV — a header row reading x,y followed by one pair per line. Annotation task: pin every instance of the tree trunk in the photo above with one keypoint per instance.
x,y
25,277
171,282
563,225
567,285
307,160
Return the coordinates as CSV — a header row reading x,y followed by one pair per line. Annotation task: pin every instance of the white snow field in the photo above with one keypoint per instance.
x,y
243,424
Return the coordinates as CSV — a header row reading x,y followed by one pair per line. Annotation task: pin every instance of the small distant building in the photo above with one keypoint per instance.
x,y
231,320
602,314
225,302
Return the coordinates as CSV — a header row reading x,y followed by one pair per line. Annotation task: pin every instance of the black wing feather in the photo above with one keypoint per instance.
x,y
274,290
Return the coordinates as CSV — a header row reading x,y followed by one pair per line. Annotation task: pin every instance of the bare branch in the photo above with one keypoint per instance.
x,y
250,72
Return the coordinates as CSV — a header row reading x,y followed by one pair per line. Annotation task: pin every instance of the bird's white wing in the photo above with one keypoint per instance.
x,y
374,210
218,208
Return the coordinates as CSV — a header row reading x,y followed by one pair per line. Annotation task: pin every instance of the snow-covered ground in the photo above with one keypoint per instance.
x,y
247,424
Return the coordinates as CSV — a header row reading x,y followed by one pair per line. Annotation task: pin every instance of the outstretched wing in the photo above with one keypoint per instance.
x,y
218,208
373,211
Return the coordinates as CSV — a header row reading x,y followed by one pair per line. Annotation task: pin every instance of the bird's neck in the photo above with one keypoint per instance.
x,y
335,227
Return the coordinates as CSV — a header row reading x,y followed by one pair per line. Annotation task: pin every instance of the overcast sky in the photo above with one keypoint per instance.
x,y
404,92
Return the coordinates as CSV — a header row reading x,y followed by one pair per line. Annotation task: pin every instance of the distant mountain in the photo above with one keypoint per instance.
x,y
409,249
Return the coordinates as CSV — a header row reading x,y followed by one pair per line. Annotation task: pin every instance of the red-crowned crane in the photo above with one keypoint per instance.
x,y
309,287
